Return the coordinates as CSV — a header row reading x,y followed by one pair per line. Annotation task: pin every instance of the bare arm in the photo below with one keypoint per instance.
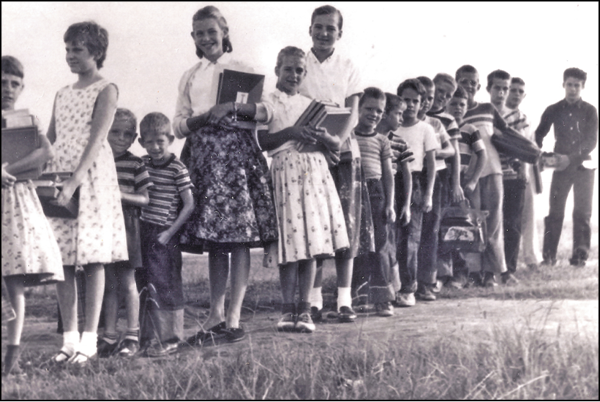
x,y
428,196
270,141
138,199
186,212
447,151
481,161
407,179
457,191
104,112
388,186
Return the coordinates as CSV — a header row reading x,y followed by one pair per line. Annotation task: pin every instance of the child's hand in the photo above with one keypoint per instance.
x,y
427,203
8,180
405,215
390,214
164,237
470,186
562,162
457,193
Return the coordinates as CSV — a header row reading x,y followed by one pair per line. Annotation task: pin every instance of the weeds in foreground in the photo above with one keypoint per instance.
x,y
524,363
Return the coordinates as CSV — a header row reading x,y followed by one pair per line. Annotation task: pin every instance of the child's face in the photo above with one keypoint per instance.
x,y
470,82
121,136
370,113
413,103
393,118
79,58
290,74
12,86
457,107
208,37
427,100
443,94
573,87
325,32
156,143
499,91
516,94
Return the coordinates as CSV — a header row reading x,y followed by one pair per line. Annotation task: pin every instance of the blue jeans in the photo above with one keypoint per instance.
x,y
582,181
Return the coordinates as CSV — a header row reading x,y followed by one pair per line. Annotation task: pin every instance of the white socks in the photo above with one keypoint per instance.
x,y
89,343
70,346
344,297
316,298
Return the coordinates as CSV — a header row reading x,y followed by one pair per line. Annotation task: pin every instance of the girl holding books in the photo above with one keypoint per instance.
x,y
30,255
234,202
82,116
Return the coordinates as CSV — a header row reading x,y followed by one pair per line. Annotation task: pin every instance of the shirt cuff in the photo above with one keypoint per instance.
x,y
183,128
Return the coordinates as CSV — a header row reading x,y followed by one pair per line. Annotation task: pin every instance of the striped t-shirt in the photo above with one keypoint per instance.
x,y
470,142
448,121
518,121
170,179
374,149
132,173
442,137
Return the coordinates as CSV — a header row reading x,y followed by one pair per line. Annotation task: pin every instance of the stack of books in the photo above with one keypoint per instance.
x,y
48,187
322,114
19,138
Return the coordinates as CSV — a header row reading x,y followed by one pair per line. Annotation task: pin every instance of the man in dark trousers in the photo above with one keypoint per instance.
x,y
575,129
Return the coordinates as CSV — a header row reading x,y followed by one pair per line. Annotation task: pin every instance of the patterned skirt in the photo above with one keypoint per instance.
x,y
354,195
232,189
309,212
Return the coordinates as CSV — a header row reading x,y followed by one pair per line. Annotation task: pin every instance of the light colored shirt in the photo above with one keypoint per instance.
x,y
283,111
420,139
442,138
197,91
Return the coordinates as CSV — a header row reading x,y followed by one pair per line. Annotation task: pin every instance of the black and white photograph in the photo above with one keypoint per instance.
x,y
299,200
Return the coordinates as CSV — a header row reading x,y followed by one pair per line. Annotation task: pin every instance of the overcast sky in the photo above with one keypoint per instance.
x,y
150,45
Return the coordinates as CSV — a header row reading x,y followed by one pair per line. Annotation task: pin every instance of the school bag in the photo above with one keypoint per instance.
x,y
463,228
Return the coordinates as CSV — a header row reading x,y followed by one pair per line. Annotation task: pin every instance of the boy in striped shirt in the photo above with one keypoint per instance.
x,y
134,182
171,204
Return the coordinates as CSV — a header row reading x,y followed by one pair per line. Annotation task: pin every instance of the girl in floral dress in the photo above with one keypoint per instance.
x,y
82,116
30,255
234,201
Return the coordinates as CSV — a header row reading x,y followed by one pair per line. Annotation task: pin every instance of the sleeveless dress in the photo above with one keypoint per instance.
x,y
98,233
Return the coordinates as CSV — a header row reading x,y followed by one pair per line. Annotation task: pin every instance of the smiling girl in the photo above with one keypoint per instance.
x,y
82,116
234,202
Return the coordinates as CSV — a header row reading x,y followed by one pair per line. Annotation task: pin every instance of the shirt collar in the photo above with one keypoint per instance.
x,y
314,57
576,104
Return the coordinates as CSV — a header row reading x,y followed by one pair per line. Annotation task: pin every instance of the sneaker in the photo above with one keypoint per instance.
x,y
167,348
509,279
405,300
456,282
437,288
305,323
106,349
346,314
233,335
128,348
201,337
384,309
287,323
577,262
424,293
316,315
489,280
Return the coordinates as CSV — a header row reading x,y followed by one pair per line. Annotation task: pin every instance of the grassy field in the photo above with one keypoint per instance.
x,y
509,362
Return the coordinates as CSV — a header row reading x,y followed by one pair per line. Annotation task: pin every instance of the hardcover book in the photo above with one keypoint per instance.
x,y
48,187
18,142
240,87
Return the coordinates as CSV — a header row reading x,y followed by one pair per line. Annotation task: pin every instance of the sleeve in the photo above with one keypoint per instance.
x,y
354,80
38,124
429,141
444,137
142,177
386,149
544,126
476,143
182,178
183,108
453,130
588,131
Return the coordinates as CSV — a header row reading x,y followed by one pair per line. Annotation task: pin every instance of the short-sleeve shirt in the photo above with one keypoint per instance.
x,y
470,142
485,117
448,121
420,139
283,111
442,138
170,179
374,149
132,173
516,120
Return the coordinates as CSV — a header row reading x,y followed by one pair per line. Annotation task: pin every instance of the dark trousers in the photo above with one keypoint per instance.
x,y
409,238
372,271
514,200
582,181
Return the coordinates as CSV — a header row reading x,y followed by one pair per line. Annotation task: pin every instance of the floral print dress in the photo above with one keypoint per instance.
x,y
98,233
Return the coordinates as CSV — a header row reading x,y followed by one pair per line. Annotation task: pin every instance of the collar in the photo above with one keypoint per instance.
x,y
279,94
165,163
224,59
313,56
576,104
124,156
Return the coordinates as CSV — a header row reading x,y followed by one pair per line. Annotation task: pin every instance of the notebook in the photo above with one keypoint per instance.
x,y
17,143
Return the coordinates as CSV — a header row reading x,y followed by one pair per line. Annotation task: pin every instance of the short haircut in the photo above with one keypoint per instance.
x,y
392,101
127,115
460,93
327,10
498,74
413,84
576,73
447,78
214,13
156,121
92,36
289,51
371,92
517,80
466,69
426,81
11,65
